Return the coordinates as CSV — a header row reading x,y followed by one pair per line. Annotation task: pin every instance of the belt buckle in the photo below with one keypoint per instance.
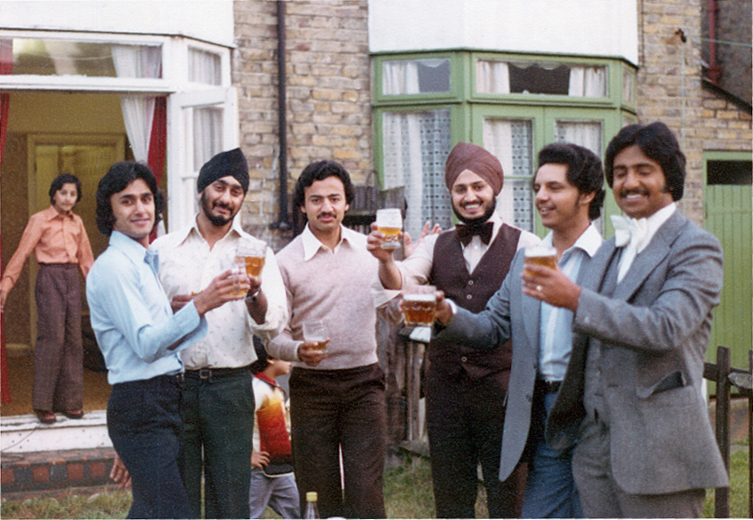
x,y
205,373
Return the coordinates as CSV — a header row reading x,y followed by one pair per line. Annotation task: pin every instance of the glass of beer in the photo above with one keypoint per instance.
x,y
541,255
238,271
250,256
316,331
390,222
419,305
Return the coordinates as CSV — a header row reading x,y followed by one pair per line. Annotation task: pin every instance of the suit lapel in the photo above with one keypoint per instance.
x,y
532,315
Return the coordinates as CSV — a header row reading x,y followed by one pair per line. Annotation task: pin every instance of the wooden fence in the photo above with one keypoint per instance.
x,y
726,378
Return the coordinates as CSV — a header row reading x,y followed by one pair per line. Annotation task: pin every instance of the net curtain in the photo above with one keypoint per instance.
x,y
416,145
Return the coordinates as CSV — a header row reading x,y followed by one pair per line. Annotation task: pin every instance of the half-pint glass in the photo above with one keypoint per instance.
x,y
541,255
390,222
419,305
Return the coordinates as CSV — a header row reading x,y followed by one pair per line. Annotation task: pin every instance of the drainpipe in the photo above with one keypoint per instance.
x,y
283,221
714,71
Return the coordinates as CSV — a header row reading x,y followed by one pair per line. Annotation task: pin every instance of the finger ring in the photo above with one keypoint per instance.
x,y
538,288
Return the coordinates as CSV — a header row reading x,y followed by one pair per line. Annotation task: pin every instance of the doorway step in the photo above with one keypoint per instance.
x,y
69,453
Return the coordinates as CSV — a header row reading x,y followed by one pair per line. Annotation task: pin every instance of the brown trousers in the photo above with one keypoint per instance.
x,y
59,353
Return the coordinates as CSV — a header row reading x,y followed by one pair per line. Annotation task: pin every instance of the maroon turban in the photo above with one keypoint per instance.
x,y
467,156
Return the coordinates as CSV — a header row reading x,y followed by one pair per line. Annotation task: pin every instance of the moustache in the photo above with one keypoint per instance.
x,y
320,215
625,193
222,205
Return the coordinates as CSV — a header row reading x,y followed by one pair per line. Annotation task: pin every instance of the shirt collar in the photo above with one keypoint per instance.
x,y
51,213
186,231
589,241
133,250
311,244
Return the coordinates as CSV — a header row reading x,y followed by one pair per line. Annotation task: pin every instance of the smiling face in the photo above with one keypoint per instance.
x,y
472,197
65,198
133,210
324,205
639,185
222,200
561,205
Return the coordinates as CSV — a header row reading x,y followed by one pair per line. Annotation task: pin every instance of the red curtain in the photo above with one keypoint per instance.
x,y
6,67
158,143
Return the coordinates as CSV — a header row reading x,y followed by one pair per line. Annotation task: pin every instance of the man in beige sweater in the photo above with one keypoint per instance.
x,y
337,400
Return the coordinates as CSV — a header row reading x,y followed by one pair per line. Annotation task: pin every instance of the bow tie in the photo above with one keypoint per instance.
x,y
484,231
630,231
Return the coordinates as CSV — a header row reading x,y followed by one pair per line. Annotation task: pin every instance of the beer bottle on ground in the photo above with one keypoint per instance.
x,y
312,510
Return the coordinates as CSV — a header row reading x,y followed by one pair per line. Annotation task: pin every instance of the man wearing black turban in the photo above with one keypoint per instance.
x,y
217,394
465,387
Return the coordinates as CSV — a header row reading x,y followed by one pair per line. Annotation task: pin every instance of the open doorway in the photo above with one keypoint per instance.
x,y
48,134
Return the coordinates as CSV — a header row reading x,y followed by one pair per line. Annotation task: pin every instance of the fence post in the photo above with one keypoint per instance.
x,y
721,503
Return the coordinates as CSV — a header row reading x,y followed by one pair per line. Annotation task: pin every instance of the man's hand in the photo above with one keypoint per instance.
x,y
259,459
228,286
551,286
119,474
427,230
180,300
310,353
374,245
443,314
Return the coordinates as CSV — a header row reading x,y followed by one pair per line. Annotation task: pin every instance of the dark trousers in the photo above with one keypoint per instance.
x,y
144,422
465,419
333,411
59,353
217,442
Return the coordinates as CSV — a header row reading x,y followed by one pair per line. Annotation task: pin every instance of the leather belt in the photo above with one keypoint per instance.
x,y
214,373
548,387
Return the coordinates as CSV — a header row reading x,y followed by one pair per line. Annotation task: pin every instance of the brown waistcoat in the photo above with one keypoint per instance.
x,y
471,291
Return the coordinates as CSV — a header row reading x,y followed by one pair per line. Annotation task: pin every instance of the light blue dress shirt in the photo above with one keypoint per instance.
x,y
555,333
131,315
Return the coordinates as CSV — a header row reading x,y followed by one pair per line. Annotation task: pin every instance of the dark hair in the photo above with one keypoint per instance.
x,y
64,178
658,142
262,358
318,171
583,171
117,178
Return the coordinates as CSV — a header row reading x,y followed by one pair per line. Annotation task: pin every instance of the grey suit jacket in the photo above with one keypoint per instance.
x,y
510,313
652,335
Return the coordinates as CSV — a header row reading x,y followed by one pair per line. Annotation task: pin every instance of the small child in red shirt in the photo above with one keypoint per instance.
x,y
272,479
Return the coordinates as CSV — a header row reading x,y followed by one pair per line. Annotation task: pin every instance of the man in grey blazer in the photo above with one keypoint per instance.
x,y
569,193
645,446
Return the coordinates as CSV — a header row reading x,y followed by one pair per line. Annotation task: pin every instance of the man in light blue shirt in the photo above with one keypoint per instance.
x,y
140,339
569,194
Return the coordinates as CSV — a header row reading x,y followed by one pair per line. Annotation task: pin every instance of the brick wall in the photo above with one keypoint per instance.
x,y
724,125
669,83
328,96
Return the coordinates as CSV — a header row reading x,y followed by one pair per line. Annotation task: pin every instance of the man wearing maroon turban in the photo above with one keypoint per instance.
x,y
465,387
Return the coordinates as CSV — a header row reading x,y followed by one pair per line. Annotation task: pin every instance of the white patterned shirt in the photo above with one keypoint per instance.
x,y
187,265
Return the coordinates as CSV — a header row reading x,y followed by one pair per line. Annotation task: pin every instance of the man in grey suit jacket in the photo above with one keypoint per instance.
x,y
569,193
645,446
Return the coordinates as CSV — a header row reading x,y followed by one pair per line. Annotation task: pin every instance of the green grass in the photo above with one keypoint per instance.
x,y
407,491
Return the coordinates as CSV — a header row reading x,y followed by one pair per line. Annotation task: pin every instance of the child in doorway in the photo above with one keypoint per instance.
x,y
272,479
61,247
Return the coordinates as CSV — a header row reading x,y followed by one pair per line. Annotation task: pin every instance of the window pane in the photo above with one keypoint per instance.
x,y
204,67
416,145
584,133
70,58
511,141
729,172
416,76
627,86
518,77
